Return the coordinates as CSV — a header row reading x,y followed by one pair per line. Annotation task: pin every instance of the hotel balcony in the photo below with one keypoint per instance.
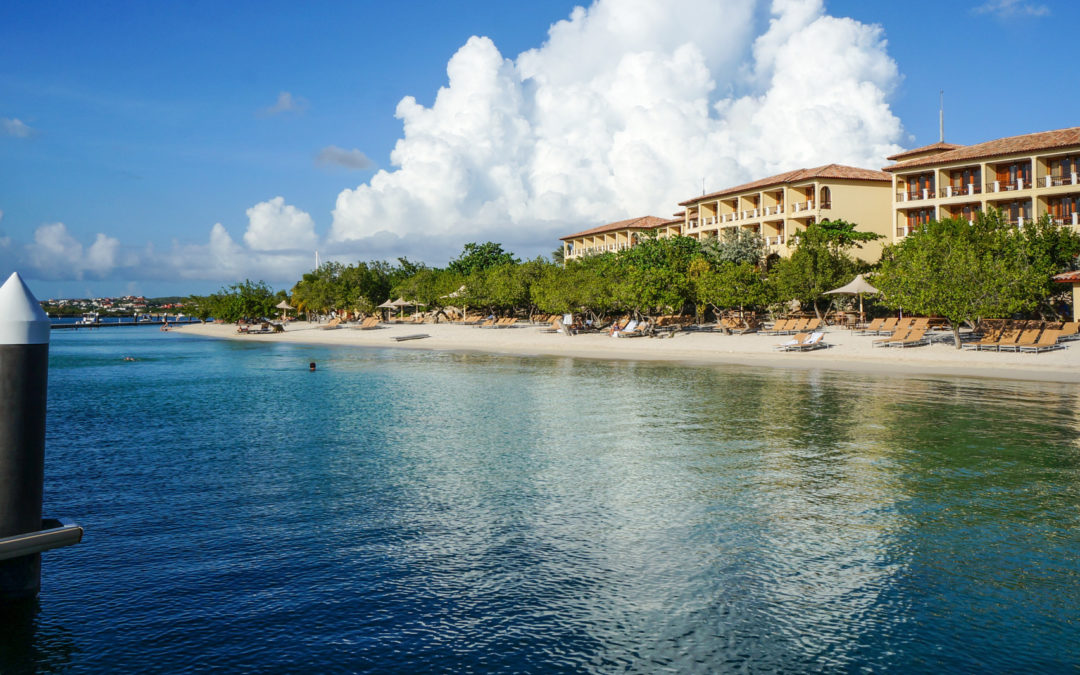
x,y
1057,181
777,240
1073,219
802,206
1009,186
914,195
959,190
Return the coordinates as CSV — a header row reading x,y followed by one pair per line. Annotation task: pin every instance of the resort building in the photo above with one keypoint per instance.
x,y
611,237
779,206
1023,176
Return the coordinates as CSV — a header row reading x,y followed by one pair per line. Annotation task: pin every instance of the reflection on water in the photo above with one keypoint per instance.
x,y
414,511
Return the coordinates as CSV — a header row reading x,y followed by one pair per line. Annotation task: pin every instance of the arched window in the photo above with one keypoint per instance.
x,y
825,198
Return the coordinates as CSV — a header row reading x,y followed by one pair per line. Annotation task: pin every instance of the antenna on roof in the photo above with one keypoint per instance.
x,y
941,115
703,186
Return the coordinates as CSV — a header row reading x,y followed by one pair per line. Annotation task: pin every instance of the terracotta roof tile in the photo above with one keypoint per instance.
x,y
827,171
1044,140
640,223
1068,277
926,148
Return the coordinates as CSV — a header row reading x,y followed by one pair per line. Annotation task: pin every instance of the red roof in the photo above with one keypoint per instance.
x,y
798,175
639,223
1068,277
1044,140
926,148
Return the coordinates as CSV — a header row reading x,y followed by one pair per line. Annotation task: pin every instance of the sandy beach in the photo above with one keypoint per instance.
x,y
847,351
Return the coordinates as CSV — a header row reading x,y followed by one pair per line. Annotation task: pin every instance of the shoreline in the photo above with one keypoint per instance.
x,y
848,353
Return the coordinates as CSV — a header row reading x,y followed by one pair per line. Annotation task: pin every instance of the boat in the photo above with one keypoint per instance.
x,y
88,319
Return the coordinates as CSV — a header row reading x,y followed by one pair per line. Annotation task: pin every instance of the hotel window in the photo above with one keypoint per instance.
x,y
968,211
1062,168
919,217
1009,174
961,178
826,198
1064,207
1014,211
916,185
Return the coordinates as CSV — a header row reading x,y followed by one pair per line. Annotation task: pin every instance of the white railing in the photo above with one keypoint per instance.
x,y
778,240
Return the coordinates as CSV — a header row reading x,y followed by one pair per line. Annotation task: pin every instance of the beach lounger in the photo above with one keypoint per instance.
x,y
368,323
872,327
1027,338
630,327
779,327
988,341
793,341
334,323
897,336
914,338
888,326
809,343
1047,341
1007,339
1070,331
813,324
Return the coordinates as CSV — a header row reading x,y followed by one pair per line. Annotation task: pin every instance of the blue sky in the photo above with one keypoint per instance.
x,y
139,126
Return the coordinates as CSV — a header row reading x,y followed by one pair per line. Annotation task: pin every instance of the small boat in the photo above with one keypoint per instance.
x,y
88,319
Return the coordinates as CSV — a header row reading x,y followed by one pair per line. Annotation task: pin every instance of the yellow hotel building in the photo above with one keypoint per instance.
x,y
1023,176
779,206
611,237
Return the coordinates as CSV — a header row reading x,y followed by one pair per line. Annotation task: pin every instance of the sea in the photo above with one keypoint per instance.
x,y
401,511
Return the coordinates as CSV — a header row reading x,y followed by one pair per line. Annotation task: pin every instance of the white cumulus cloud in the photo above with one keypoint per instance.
x,y
56,254
332,155
286,103
622,112
16,127
1005,9
275,225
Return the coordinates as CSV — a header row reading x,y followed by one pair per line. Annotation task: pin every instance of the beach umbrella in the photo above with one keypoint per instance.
x,y
856,286
284,306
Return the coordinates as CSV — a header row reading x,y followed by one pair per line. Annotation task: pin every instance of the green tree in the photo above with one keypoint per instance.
x,y
245,300
653,276
1051,249
480,257
734,245
729,285
961,271
819,263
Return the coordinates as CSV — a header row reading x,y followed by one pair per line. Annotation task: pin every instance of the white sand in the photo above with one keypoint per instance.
x,y
847,351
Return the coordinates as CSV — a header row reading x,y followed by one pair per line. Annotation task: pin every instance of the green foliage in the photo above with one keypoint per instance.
x,y
1050,249
360,287
962,271
480,257
734,245
653,276
729,285
245,300
819,263
430,287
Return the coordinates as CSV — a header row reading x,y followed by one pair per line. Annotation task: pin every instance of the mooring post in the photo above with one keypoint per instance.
x,y
24,371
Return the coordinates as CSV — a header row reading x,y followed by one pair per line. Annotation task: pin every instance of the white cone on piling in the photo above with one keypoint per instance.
x,y
22,321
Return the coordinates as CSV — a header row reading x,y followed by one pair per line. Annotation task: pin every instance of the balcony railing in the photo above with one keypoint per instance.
x,y
777,240
1008,186
960,190
803,206
1055,181
1072,219
826,205
913,195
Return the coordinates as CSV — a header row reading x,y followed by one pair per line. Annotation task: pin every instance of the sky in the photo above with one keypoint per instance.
x,y
170,148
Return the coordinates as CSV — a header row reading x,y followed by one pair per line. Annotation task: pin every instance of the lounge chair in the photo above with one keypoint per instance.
x,y
813,324
1008,339
813,341
1070,331
1047,341
989,341
334,323
368,323
630,327
897,336
1027,338
914,338
888,326
872,327
779,327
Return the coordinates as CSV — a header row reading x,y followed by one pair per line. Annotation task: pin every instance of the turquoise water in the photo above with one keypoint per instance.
x,y
401,511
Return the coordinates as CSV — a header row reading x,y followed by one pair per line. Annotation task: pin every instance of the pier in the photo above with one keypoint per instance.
x,y
120,322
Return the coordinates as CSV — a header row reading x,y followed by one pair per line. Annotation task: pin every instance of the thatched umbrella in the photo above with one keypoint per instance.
x,y
284,306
